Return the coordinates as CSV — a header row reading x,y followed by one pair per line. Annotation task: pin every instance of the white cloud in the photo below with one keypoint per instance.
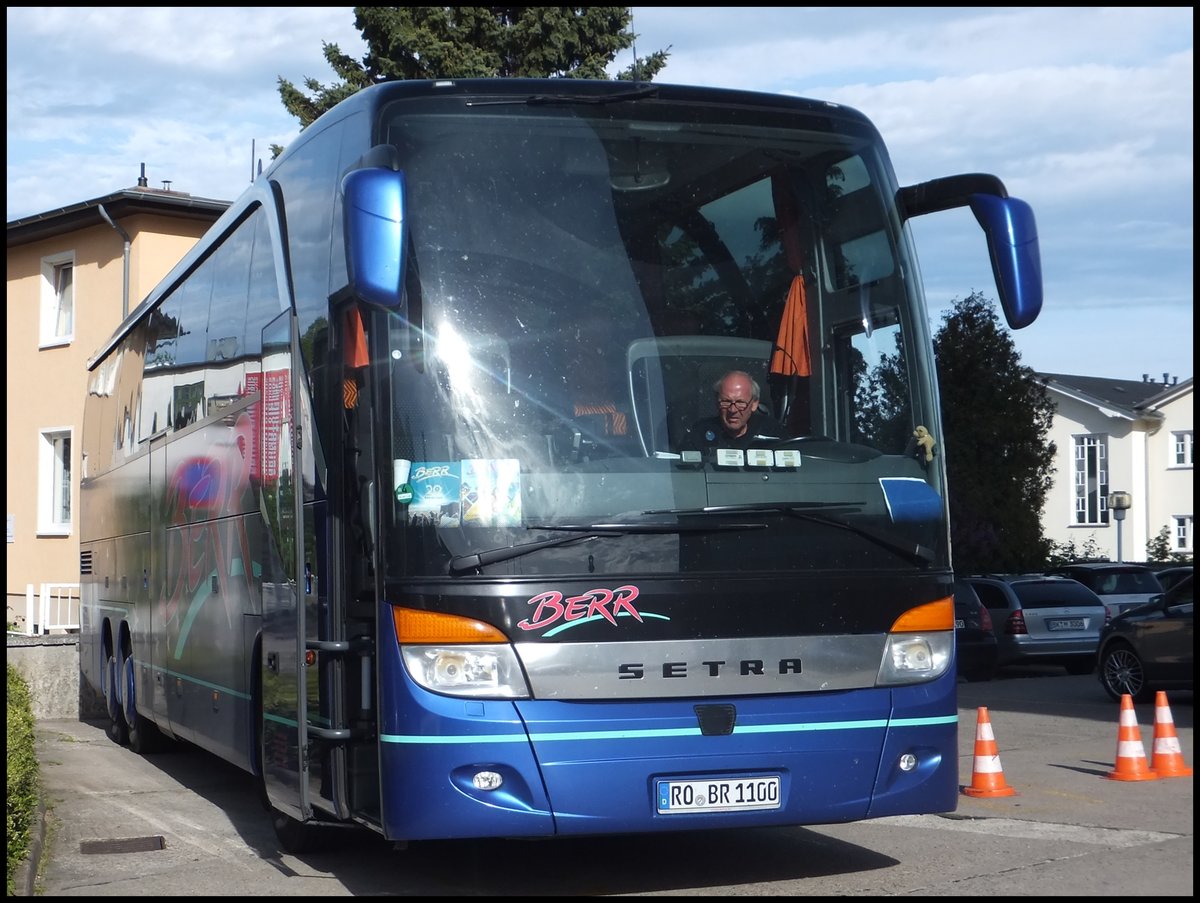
x,y
1084,112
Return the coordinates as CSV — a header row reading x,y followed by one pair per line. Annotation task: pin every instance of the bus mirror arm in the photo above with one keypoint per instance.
x,y
1009,226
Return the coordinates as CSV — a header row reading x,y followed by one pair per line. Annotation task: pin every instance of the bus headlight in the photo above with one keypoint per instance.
x,y
487,671
910,658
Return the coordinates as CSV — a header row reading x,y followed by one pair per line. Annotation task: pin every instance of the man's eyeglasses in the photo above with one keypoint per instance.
x,y
728,404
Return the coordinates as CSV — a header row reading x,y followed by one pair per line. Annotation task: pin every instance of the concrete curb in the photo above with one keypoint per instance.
x,y
49,664
26,875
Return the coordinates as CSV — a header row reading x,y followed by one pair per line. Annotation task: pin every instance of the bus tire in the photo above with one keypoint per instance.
x,y
117,729
144,735
295,836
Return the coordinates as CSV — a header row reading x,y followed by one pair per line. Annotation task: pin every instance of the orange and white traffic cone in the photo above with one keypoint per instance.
x,y
1167,760
1131,755
988,777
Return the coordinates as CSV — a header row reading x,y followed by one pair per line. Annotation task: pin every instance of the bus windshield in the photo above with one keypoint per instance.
x,y
580,276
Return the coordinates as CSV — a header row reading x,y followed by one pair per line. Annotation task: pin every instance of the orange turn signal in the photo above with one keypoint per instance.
x,y
936,615
429,628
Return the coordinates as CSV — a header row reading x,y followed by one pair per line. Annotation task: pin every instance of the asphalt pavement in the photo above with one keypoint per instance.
x,y
185,822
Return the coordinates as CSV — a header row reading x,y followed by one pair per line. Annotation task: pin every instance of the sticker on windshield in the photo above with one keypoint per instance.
x,y
482,492
491,492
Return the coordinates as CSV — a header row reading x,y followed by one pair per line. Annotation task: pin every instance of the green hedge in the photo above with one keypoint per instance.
x,y
23,775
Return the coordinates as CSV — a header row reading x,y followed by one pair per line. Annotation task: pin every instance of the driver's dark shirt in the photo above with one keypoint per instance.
x,y
709,433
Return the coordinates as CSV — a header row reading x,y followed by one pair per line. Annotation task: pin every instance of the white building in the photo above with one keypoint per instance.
x,y
1121,436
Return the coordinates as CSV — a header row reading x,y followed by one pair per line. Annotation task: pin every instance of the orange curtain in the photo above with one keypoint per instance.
x,y
355,340
354,355
791,356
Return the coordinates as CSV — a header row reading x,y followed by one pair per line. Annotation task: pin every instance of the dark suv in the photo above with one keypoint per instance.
x,y
976,648
1120,586
1041,619
1150,648
1170,576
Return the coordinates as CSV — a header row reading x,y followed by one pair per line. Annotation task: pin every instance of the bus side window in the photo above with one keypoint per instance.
x,y
225,364
263,305
158,363
191,310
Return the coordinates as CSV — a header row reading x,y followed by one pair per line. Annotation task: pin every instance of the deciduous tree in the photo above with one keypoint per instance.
x,y
996,415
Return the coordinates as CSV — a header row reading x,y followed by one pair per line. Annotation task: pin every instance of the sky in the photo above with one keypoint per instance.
x,y
1085,113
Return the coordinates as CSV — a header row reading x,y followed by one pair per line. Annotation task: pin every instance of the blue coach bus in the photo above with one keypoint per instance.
x,y
388,500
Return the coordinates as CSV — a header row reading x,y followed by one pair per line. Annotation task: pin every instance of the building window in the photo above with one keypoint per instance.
x,y
1091,479
58,300
1183,532
54,482
1181,449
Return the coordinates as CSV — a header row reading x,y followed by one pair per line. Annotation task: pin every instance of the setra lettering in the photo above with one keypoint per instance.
x,y
751,667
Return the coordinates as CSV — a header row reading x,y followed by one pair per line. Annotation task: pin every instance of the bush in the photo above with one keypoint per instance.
x,y
23,775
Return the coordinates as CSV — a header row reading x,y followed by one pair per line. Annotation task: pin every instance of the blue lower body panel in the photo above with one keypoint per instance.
x,y
574,768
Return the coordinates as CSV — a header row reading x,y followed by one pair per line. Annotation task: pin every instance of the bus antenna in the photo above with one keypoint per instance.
x,y
637,80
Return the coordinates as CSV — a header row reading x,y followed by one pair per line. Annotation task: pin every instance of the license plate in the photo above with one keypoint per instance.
x,y
1065,624
718,795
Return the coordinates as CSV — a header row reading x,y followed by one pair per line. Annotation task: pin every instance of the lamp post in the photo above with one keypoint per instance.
x,y
1118,504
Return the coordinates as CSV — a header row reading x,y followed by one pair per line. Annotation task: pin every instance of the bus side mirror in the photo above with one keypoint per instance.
x,y
1016,261
1010,229
376,234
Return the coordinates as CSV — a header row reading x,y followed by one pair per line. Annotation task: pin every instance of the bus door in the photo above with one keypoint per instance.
x,y
282,672
303,754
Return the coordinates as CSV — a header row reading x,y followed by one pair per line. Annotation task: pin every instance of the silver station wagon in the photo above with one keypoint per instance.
x,y
1043,620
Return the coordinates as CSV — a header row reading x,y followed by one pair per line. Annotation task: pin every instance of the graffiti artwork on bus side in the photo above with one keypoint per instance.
x,y
208,552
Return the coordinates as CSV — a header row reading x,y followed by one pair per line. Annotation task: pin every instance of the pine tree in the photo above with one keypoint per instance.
x,y
422,42
996,417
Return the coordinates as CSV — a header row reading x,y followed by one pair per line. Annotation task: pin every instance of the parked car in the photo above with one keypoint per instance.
x,y
977,650
1168,577
1121,586
1043,619
1149,648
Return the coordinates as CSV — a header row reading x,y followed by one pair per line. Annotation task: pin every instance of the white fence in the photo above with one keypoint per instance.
x,y
53,609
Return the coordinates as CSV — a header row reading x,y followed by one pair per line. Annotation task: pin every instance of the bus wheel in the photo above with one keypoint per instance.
x,y
117,730
295,836
144,736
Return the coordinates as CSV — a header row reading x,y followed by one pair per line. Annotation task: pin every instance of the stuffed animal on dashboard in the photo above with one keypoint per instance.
x,y
922,444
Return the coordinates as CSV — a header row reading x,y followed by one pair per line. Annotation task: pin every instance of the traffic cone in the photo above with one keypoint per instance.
x,y
1131,755
1167,761
988,777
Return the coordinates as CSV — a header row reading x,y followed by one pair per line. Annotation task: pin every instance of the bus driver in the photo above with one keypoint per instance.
x,y
738,422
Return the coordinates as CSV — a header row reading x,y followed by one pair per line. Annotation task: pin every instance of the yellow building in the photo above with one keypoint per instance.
x,y
73,274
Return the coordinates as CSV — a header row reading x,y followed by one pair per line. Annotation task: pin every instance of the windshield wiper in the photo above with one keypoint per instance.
x,y
461,564
912,551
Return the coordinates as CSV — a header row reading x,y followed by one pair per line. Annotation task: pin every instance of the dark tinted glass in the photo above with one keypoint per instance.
x,y
1052,594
